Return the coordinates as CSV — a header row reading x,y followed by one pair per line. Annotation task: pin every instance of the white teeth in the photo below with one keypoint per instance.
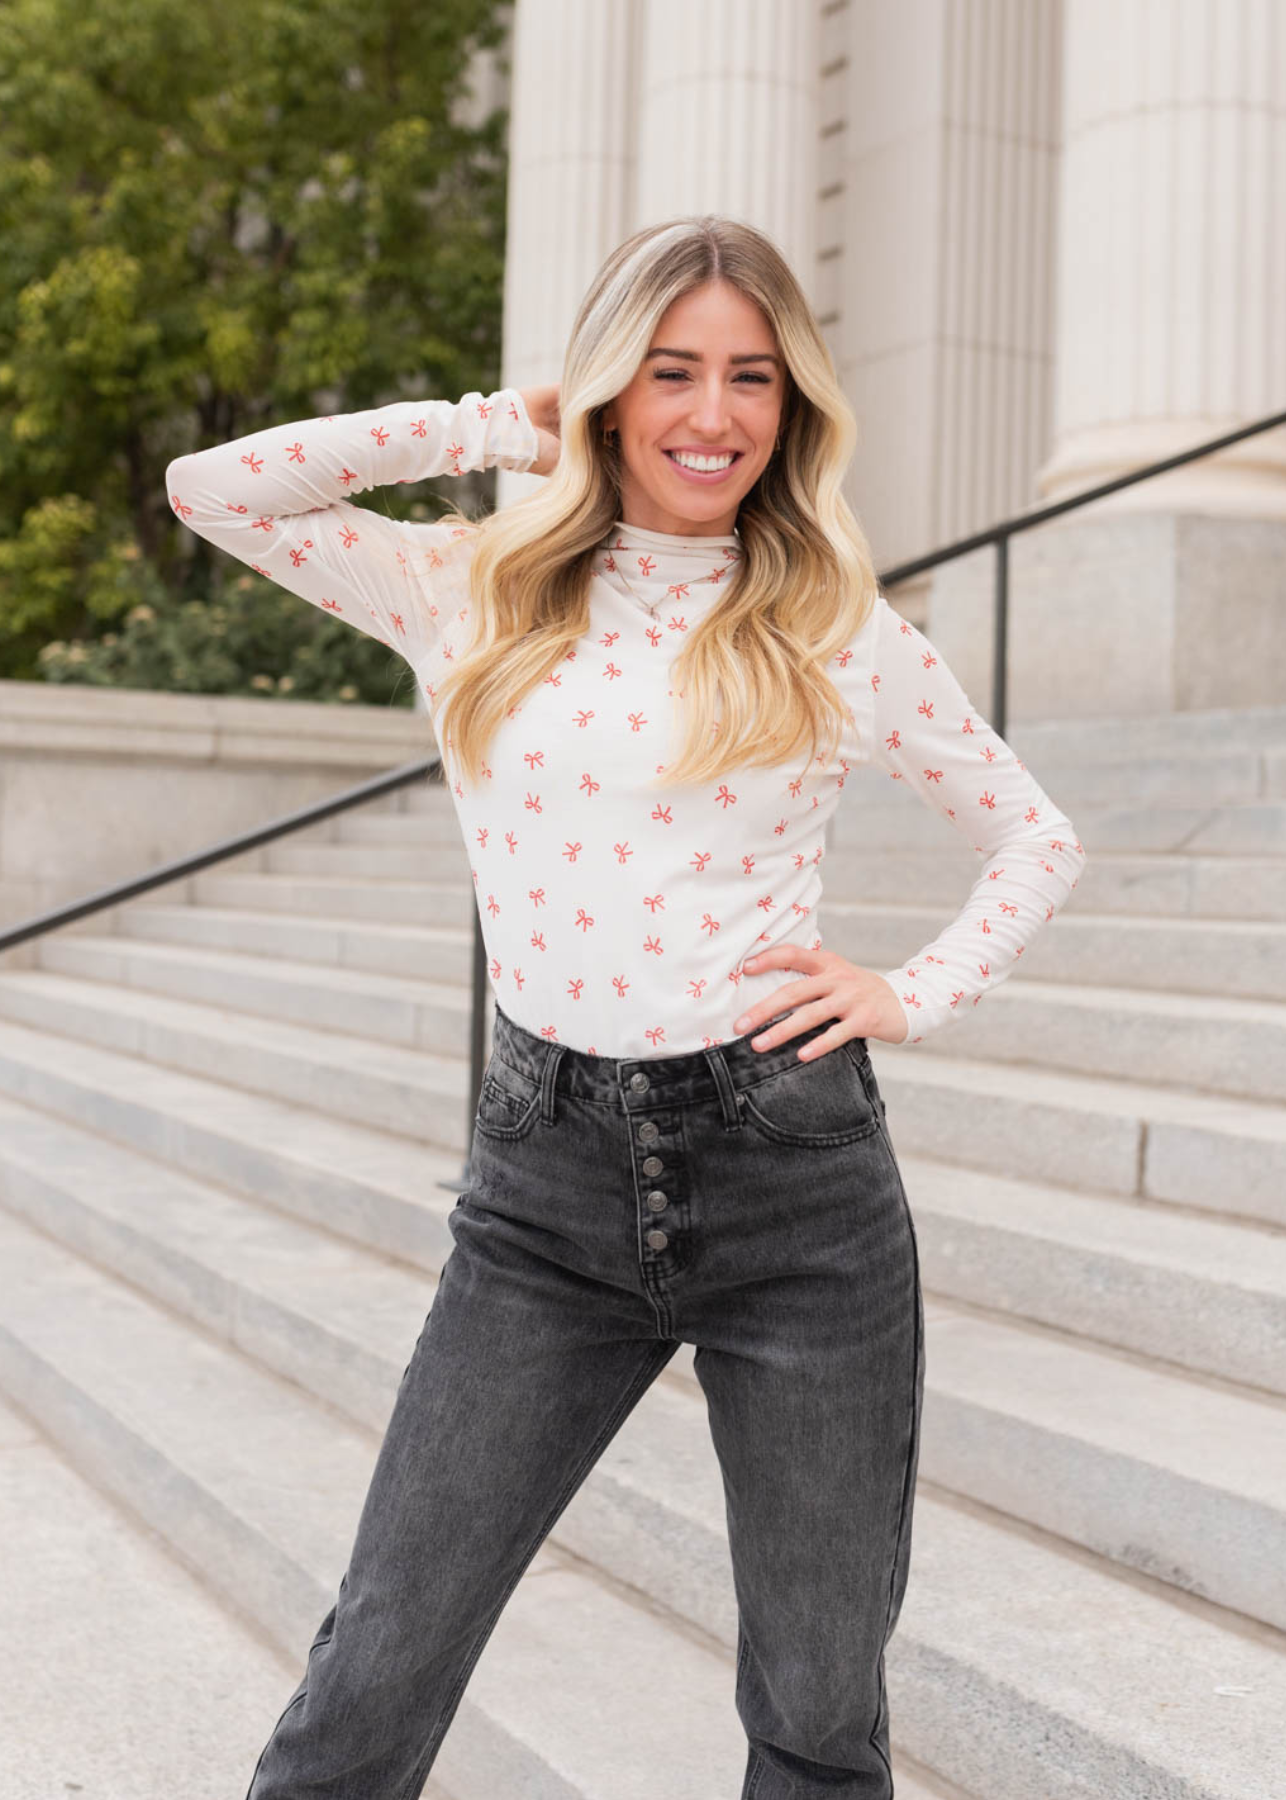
x,y
702,464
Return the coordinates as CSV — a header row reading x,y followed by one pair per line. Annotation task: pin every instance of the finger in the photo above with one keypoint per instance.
x,y
828,1041
801,1019
779,1002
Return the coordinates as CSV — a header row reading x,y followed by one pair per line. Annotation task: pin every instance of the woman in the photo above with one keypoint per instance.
x,y
650,680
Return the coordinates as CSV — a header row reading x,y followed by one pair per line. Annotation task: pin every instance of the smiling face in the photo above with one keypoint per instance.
x,y
708,393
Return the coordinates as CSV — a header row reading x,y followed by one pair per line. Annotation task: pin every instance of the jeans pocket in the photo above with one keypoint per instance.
x,y
823,1103
862,1063
507,1102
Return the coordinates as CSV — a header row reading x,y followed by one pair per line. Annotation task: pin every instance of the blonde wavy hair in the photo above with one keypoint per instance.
x,y
751,674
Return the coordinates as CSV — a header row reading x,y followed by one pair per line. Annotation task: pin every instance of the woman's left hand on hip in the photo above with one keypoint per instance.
x,y
862,1003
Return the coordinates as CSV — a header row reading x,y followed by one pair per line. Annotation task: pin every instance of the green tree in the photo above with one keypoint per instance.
x,y
215,218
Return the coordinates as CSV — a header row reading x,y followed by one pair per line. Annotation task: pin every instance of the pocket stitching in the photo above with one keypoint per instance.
x,y
824,1140
821,1140
515,1128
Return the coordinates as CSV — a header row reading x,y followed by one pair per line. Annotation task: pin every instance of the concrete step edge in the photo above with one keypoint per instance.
x,y
323,1313
973,1700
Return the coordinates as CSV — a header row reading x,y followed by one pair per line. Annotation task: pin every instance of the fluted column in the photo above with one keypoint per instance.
x,y
728,117
571,150
1172,277
1170,328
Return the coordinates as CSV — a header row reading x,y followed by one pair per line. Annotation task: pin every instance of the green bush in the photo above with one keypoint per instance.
x,y
216,218
255,639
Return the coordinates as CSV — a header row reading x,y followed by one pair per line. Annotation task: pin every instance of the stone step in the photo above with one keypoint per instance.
x,y
1125,883
883,815
260,1487
377,1188
1180,1478
1106,813
410,861
1219,958
430,952
386,980
447,904
1165,947
1230,958
1112,891
1204,1292
1130,1137
73,1719
1143,861
1199,813
1119,744
1118,739
182,1427
1216,1044
1106,1136
925,848
419,1093
399,1006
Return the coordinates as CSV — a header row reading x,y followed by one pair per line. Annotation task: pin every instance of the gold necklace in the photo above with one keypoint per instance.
x,y
698,581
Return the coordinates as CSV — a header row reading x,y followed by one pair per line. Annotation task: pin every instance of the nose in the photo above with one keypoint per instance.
x,y
710,410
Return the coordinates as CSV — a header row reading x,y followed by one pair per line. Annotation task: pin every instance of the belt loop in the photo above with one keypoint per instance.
x,y
723,1082
549,1075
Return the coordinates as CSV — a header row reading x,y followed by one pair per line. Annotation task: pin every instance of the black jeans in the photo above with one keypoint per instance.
x,y
747,1203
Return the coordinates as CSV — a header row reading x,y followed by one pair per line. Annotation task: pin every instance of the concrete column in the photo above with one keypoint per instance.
x,y
946,182
630,112
571,152
1171,270
1170,312
727,121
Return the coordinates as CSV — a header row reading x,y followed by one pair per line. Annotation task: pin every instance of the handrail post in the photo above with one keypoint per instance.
x,y
477,1035
1000,649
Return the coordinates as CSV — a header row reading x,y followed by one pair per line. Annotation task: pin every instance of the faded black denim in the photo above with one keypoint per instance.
x,y
745,1202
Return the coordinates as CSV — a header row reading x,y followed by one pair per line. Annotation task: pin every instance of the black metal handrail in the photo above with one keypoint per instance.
x,y
316,810
999,535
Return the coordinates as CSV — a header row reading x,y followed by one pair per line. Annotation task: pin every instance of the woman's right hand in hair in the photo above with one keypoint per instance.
x,y
542,410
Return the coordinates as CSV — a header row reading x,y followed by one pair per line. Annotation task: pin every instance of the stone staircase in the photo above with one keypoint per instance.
x,y
232,1125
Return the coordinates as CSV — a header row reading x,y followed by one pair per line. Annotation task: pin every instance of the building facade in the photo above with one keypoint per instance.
x,y
1046,241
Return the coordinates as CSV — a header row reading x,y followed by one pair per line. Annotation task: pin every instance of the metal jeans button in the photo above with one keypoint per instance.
x,y
657,1240
656,1199
640,1083
649,1133
652,1166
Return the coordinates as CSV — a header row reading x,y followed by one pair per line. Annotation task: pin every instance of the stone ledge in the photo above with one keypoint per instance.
x,y
39,717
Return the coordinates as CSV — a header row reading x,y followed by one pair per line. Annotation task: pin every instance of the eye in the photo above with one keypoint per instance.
x,y
746,375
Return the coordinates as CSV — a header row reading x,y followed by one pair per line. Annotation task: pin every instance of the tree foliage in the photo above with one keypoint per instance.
x,y
216,218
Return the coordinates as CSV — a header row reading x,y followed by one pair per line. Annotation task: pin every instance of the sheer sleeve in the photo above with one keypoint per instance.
x,y
926,732
278,500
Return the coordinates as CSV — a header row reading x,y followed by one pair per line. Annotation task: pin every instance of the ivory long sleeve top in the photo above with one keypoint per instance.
x,y
617,918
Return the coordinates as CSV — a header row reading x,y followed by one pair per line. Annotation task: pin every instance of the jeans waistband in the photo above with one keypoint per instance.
x,y
695,1075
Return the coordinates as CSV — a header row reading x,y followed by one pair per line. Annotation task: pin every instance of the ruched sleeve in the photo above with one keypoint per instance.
x,y
926,732
280,500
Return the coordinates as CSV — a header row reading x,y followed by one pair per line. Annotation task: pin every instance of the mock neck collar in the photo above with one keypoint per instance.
x,y
665,540
665,569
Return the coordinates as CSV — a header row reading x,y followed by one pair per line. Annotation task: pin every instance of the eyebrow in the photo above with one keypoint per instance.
x,y
696,356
